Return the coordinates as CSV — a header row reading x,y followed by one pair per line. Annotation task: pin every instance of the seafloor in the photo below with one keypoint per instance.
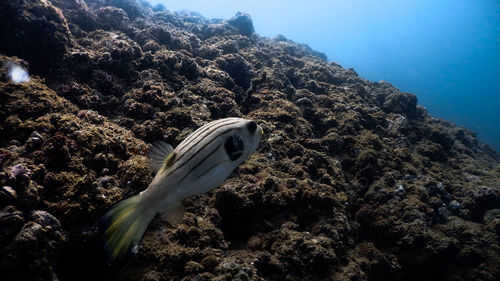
x,y
352,181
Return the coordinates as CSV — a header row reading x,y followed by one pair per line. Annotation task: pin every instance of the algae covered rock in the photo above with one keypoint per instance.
x,y
243,23
34,30
353,180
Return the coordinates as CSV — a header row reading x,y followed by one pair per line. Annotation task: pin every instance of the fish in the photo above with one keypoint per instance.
x,y
16,73
201,162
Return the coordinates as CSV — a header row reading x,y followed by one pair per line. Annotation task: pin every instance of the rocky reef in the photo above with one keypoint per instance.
x,y
353,180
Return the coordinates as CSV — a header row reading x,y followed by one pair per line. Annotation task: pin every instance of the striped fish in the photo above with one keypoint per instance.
x,y
198,164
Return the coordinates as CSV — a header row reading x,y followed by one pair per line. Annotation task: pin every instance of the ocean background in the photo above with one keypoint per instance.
x,y
446,52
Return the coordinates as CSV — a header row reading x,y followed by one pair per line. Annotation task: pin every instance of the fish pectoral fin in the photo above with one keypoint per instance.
x,y
173,213
158,153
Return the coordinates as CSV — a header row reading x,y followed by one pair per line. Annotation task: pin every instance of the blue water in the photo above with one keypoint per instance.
x,y
447,52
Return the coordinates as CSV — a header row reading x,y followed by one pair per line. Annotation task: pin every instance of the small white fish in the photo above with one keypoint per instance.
x,y
198,164
16,73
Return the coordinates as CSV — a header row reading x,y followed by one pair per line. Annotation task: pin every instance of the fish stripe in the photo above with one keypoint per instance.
x,y
205,145
201,162
209,169
196,133
206,126
185,149
202,130
200,139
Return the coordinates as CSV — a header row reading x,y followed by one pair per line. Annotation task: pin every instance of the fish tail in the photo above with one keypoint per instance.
x,y
123,226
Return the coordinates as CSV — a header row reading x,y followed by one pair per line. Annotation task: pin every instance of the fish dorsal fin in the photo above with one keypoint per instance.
x,y
160,155
173,213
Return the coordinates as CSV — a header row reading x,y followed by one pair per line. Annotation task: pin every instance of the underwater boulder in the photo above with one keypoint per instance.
x,y
243,23
36,31
133,8
238,68
78,12
402,103
112,18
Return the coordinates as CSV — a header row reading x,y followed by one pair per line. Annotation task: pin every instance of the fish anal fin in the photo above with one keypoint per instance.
x,y
174,213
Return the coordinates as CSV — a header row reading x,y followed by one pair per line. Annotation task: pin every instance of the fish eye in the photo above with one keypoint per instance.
x,y
252,127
